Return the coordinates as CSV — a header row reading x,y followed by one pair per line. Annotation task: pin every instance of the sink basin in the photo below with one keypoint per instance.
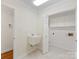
x,y
34,39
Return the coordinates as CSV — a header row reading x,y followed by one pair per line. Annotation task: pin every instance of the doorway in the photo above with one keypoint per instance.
x,y
7,32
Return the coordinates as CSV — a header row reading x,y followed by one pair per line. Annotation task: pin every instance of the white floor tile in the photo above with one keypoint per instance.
x,y
54,53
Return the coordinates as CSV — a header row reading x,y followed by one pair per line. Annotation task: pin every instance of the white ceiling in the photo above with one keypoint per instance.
x,y
50,2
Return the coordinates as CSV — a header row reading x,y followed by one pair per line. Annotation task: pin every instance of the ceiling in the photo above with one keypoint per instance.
x,y
50,2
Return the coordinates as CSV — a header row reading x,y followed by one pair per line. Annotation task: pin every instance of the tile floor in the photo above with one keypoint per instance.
x,y
54,53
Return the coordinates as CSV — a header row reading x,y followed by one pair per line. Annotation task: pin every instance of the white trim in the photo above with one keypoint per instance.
x,y
45,34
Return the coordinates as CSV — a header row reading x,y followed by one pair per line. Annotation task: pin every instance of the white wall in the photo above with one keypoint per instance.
x,y
7,32
24,22
62,40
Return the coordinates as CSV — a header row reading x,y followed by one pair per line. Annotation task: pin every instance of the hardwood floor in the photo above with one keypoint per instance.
x,y
7,55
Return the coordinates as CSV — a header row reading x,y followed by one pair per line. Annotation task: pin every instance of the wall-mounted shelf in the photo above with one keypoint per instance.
x,y
55,26
66,27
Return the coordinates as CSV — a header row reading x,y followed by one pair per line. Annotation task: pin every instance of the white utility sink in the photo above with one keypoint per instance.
x,y
34,39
